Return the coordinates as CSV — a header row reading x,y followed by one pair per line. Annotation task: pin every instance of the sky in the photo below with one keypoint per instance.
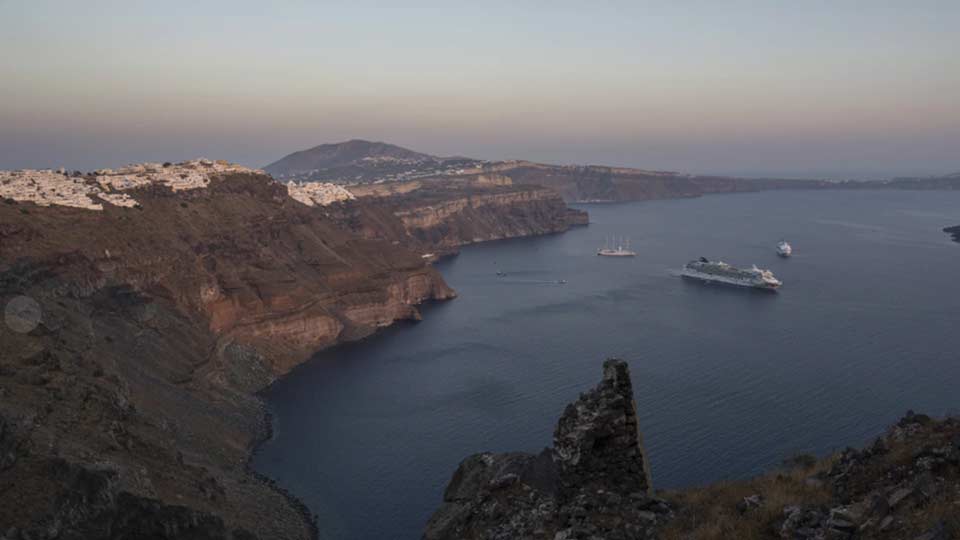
x,y
837,89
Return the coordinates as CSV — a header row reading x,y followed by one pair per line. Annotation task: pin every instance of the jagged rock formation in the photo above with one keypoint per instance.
x,y
954,232
593,483
127,400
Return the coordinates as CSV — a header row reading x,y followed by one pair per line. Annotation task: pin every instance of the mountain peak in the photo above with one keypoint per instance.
x,y
342,155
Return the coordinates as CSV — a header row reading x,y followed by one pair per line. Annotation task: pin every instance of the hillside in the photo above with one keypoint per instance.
x,y
358,161
145,307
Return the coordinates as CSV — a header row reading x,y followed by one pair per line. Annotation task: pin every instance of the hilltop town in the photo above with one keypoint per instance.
x,y
90,191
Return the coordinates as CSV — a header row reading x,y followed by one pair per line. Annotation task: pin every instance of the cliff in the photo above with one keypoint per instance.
x,y
138,328
594,183
436,216
145,306
595,483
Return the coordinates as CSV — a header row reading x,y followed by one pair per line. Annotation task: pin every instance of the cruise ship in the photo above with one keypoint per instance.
x,y
721,272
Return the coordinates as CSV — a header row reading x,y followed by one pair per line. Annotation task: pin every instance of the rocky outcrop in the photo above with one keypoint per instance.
x,y
593,483
134,337
954,232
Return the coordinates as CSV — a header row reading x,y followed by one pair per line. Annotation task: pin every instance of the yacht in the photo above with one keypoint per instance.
x,y
784,249
721,272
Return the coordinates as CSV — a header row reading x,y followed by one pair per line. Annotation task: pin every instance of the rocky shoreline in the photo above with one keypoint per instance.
x,y
595,483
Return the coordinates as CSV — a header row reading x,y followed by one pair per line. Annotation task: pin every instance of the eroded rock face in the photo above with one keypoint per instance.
x,y
439,216
593,483
157,323
597,441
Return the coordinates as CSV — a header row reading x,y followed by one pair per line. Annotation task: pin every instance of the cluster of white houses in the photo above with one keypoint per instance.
x,y
318,193
48,187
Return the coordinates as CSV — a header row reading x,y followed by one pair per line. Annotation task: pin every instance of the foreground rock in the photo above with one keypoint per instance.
x,y
593,483
905,485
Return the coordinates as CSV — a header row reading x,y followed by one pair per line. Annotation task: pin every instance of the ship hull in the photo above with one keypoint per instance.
x,y
723,280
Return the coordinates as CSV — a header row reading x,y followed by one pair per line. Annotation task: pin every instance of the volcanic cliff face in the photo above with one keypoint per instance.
x,y
595,483
438,215
135,334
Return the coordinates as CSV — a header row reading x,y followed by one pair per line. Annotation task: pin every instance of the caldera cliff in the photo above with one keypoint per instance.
x,y
438,215
145,306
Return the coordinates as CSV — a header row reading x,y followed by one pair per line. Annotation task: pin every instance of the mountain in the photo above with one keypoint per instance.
x,y
356,161
364,162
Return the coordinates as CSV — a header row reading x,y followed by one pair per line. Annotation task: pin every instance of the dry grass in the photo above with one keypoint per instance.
x,y
711,512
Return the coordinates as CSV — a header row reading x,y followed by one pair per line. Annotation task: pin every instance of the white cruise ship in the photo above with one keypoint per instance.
x,y
721,272
784,249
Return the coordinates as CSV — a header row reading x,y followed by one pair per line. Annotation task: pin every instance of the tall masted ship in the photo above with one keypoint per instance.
x,y
721,272
619,251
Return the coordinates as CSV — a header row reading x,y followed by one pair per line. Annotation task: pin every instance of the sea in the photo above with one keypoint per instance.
x,y
729,382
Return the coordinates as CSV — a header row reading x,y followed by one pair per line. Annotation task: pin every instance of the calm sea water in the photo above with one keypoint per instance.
x,y
728,381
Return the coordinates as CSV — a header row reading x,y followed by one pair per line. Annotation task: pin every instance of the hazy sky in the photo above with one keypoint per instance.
x,y
811,88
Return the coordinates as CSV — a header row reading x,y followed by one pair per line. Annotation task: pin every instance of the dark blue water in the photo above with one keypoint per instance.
x,y
729,381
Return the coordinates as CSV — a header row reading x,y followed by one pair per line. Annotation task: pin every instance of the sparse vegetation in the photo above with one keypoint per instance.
x,y
905,485
711,512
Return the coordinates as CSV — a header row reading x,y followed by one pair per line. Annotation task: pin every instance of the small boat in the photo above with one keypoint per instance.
x,y
501,273
619,251
784,249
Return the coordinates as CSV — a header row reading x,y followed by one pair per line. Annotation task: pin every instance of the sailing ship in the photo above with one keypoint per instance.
x,y
622,250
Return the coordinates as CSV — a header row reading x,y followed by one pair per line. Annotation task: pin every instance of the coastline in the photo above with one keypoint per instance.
x,y
298,505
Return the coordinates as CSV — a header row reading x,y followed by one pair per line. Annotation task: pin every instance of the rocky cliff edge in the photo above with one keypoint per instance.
x,y
594,483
